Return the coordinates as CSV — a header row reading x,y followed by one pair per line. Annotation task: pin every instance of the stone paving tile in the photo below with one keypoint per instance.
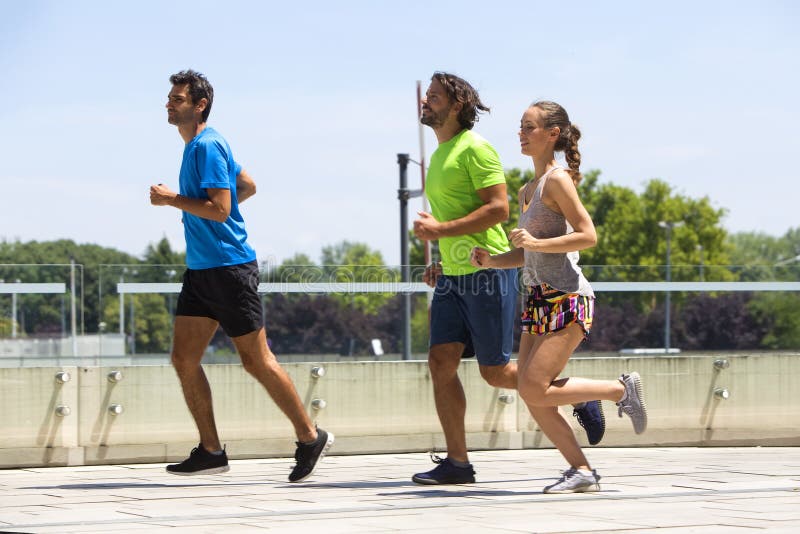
x,y
138,528
698,529
527,522
325,527
704,490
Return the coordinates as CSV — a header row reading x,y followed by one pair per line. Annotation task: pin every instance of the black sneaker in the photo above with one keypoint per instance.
x,y
307,456
445,473
201,462
591,418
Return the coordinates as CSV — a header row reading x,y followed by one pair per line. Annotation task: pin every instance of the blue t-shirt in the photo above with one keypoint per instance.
x,y
208,163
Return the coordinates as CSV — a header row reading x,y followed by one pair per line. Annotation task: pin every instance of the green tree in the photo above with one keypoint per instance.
x,y
5,327
754,255
629,234
348,262
96,274
48,262
758,256
755,248
298,268
152,322
161,253
788,265
779,314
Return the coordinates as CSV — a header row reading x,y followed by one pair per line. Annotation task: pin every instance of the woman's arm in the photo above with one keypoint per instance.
x,y
560,193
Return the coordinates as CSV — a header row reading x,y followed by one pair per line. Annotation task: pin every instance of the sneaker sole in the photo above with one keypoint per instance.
x,y
321,456
637,383
586,489
432,482
212,471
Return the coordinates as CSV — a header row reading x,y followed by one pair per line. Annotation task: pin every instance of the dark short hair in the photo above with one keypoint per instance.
x,y
199,87
459,90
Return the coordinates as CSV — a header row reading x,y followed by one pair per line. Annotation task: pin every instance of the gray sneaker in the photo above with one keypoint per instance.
x,y
633,405
575,481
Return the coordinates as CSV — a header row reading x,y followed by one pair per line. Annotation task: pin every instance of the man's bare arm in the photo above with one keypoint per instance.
x,y
493,210
245,186
216,208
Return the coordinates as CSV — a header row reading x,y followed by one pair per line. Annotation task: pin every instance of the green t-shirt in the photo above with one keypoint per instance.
x,y
458,168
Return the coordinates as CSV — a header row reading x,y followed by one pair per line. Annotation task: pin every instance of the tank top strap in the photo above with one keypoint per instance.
x,y
545,176
537,192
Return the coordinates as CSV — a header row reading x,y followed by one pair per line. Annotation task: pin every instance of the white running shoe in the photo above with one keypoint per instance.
x,y
633,404
575,481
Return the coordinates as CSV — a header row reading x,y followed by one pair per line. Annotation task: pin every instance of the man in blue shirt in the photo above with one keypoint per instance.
x,y
220,285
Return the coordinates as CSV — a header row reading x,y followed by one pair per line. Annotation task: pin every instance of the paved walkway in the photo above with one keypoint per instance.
x,y
644,489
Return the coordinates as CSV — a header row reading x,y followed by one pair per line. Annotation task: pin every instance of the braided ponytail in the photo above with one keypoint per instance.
x,y
554,116
572,154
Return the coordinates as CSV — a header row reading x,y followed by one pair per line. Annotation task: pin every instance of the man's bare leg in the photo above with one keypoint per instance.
x,y
448,393
191,337
259,361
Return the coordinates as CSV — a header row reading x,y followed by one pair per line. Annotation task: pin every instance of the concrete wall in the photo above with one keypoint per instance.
x,y
378,407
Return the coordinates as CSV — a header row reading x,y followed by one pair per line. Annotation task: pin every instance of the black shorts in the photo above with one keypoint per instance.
x,y
229,295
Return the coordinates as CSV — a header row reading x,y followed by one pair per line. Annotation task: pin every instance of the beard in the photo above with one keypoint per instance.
x,y
435,119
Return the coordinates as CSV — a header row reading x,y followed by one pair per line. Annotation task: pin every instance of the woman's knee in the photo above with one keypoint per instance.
x,y
532,393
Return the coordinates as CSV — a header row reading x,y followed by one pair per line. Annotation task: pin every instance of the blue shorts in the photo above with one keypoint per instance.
x,y
477,307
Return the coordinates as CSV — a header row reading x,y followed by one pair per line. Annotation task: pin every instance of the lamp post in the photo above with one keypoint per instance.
x,y
403,194
73,321
668,226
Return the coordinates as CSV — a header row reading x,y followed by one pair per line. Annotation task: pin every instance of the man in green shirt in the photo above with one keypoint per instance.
x,y
466,188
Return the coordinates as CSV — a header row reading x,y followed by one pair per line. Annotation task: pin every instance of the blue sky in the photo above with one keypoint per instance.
x,y
317,98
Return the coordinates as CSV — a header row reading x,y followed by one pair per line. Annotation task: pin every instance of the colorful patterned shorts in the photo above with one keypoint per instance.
x,y
550,310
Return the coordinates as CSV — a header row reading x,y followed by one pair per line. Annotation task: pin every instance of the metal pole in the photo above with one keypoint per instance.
x,y
133,326
83,308
14,313
63,317
426,244
405,268
73,319
668,299
121,310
